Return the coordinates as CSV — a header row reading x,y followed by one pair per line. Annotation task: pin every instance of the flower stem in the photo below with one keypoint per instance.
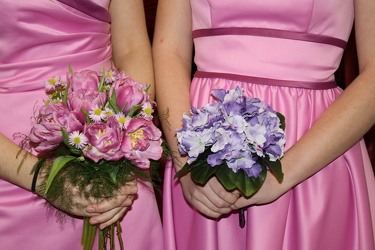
x,y
119,236
112,235
102,237
88,234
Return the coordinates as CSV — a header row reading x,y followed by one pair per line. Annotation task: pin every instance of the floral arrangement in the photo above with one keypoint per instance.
x,y
237,139
97,131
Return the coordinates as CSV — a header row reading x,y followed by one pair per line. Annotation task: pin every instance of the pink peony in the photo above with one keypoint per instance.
x,y
104,140
86,100
142,142
86,79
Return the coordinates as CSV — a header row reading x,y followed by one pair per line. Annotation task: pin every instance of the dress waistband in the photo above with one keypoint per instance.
x,y
284,34
268,81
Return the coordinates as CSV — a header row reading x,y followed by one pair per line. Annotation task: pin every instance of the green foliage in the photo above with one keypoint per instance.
x,y
57,165
112,102
201,172
73,150
282,120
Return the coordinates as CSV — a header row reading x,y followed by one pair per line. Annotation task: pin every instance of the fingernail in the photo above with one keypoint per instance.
x,y
92,222
91,210
133,190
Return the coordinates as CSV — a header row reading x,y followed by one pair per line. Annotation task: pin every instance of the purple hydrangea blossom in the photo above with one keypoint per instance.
x,y
237,129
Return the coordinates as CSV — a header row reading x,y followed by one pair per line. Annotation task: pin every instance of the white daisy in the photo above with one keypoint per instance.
x,y
97,114
78,140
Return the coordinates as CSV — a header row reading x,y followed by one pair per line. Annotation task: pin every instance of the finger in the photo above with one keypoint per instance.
x,y
208,209
108,218
221,198
119,200
115,218
129,188
79,210
242,202
208,203
105,217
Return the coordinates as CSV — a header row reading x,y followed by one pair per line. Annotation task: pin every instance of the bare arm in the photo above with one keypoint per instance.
x,y
172,51
10,163
132,54
341,126
131,45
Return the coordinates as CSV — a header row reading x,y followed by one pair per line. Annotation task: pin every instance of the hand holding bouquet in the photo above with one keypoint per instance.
x,y
97,130
237,139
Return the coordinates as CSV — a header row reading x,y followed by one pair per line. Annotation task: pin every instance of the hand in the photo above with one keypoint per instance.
x,y
104,211
212,199
270,191
109,210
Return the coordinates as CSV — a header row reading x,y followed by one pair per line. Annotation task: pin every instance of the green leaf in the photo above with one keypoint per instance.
x,y
133,109
182,171
147,88
275,167
112,102
70,68
247,185
88,120
222,176
57,165
282,120
101,84
202,171
72,149
113,174
65,93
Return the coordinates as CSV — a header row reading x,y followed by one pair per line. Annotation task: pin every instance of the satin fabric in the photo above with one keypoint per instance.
x,y
332,210
38,39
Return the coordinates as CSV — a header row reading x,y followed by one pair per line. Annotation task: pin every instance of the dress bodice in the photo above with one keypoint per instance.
x,y
274,57
330,18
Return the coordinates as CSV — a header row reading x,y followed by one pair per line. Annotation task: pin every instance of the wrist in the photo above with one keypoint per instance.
x,y
39,177
35,178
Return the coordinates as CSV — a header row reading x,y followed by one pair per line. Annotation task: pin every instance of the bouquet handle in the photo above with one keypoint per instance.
x,y
242,219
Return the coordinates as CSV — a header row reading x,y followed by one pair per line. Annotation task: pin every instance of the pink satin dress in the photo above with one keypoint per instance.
x,y
38,39
285,53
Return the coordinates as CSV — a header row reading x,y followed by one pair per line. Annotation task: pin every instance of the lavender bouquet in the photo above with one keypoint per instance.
x,y
96,131
237,139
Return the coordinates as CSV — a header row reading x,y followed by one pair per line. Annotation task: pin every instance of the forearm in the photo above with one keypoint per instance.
x,y
11,168
172,93
172,53
339,128
138,65
130,41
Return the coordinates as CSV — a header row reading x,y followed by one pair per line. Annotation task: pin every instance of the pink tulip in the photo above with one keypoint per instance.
x,y
61,115
46,111
86,79
86,100
104,140
46,136
130,93
142,141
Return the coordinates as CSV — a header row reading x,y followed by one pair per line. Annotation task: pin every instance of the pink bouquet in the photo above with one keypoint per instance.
x,y
97,130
